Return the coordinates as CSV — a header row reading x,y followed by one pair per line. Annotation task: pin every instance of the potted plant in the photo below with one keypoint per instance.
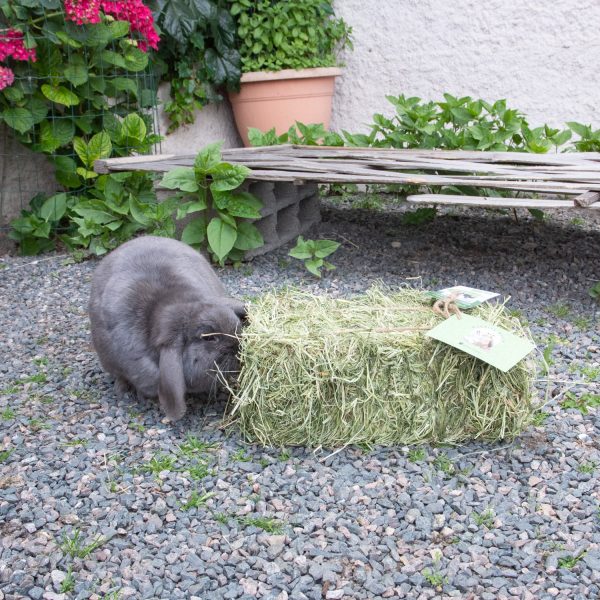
x,y
288,53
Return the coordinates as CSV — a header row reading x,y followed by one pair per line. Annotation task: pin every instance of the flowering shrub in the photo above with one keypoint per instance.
x,y
72,86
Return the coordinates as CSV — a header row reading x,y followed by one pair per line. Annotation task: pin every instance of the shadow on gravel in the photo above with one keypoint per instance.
x,y
541,261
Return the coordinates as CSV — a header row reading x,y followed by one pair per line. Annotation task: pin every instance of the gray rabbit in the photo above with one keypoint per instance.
x,y
162,322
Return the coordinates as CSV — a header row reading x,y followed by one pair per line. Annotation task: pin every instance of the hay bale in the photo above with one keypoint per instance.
x,y
324,372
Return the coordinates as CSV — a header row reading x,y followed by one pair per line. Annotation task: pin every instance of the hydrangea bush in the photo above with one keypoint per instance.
x,y
74,86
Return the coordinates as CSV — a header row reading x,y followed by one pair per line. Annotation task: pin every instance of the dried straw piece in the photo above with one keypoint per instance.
x,y
325,372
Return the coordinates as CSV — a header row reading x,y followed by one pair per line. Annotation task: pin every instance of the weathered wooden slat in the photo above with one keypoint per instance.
x,y
587,199
570,174
492,201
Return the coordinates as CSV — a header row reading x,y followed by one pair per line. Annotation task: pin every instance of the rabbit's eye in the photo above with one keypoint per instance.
x,y
209,337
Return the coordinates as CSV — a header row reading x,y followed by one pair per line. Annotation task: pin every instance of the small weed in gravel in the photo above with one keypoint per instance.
x,y
200,471
588,466
569,562
416,455
68,583
75,442
158,463
444,464
582,404
38,424
7,414
284,455
4,454
485,519
240,456
75,547
267,524
194,446
562,311
539,418
221,518
196,500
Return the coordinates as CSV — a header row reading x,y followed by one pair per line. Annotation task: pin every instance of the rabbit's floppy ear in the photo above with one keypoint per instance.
x,y
171,383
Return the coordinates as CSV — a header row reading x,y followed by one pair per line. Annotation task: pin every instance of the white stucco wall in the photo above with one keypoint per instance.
x,y
543,56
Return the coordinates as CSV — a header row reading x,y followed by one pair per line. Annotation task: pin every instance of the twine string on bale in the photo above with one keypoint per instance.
x,y
323,372
445,306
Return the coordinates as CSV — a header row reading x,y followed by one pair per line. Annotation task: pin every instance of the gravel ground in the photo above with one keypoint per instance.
x,y
100,498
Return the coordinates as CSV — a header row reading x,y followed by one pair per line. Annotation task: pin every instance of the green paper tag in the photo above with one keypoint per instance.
x,y
489,343
466,297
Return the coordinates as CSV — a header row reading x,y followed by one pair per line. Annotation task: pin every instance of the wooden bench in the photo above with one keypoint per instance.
x,y
544,181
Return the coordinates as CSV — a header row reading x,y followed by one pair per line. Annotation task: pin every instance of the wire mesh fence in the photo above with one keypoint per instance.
x,y
85,91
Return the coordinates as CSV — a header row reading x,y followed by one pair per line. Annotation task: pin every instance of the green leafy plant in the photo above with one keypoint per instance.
x,y
419,216
589,140
81,96
594,292
583,403
210,188
199,54
288,34
158,463
313,134
313,253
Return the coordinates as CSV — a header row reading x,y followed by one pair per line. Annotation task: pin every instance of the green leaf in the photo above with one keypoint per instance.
x,y
314,265
226,176
223,67
133,129
248,237
141,213
324,248
208,158
66,171
18,118
122,84
94,212
242,204
581,130
85,173
38,109
180,178
190,207
67,39
77,74
135,59
81,149
99,146
118,29
113,58
54,208
194,232
301,250
60,95
221,237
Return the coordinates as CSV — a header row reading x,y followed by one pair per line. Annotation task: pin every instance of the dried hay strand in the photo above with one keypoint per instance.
x,y
324,372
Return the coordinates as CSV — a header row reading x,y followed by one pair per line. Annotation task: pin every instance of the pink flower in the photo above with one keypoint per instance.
x,y
6,77
139,17
11,44
82,11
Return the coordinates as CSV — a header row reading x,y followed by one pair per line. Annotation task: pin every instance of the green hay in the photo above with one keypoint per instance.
x,y
324,372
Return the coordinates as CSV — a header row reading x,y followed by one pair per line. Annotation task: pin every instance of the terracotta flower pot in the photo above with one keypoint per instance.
x,y
278,99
